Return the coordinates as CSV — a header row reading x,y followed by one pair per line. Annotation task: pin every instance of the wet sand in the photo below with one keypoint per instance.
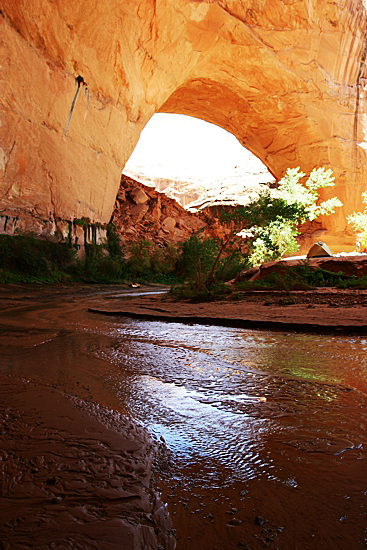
x,y
316,310
78,471
75,472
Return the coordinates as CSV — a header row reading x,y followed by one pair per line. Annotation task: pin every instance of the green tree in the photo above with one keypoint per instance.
x,y
267,227
292,191
359,222
139,257
275,237
197,258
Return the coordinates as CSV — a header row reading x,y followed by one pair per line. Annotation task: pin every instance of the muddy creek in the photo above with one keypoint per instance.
x,y
266,431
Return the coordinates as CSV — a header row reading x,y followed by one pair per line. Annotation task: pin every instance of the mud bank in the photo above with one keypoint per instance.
x,y
75,473
316,310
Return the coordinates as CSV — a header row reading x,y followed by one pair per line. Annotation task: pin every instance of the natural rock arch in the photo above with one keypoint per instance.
x,y
286,77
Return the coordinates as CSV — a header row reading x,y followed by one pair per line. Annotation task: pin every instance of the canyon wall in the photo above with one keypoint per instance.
x,y
287,78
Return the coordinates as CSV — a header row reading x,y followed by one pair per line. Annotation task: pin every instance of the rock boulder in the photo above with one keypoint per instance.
x,y
159,219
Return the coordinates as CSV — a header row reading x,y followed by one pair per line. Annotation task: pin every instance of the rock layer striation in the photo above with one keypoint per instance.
x,y
79,81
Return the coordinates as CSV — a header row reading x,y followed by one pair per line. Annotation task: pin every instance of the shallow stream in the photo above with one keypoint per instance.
x,y
267,430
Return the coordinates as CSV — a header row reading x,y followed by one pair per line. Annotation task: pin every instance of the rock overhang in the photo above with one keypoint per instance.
x,y
287,78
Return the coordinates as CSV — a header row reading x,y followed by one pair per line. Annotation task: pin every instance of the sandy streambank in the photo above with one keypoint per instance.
x,y
75,474
320,309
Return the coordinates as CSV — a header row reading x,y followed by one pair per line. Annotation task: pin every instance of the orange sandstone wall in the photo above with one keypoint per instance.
x,y
287,78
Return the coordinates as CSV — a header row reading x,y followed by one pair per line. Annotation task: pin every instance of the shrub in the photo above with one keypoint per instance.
x,y
163,260
299,277
359,222
33,257
139,260
152,263
113,242
98,266
197,258
191,292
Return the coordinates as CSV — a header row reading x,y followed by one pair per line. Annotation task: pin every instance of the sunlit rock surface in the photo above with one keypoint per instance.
x,y
242,184
348,265
288,79
141,212
183,191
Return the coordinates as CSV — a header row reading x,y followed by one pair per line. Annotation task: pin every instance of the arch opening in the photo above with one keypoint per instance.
x,y
196,162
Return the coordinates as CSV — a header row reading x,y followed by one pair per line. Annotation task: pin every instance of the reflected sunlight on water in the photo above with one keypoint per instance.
x,y
223,394
260,424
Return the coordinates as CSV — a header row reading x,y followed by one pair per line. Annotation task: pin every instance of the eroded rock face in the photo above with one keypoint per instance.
x,y
287,78
159,219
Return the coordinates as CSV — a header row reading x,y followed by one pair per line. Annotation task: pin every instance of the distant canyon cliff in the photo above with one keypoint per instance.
x,y
80,80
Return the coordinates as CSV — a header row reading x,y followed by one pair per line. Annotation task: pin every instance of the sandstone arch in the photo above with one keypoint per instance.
x,y
286,77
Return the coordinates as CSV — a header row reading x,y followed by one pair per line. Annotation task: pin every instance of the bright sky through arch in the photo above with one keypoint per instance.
x,y
182,147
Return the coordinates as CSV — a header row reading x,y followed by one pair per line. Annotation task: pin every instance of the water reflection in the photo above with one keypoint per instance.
x,y
221,394
335,359
279,417
266,423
